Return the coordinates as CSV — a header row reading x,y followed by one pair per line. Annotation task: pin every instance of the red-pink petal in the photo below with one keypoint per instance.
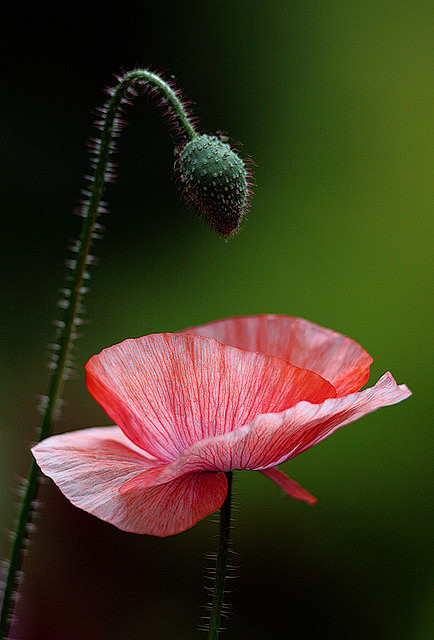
x,y
273,438
333,356
90,465
290,487
167,391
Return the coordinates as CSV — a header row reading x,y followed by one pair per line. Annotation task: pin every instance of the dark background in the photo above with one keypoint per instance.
x,y
332,101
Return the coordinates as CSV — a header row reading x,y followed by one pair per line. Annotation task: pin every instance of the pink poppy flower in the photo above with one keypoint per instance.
x,y
241,393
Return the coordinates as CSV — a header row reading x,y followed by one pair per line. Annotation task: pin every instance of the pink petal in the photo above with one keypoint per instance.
x,y
290,487
307,345
273,438
90,465
166,391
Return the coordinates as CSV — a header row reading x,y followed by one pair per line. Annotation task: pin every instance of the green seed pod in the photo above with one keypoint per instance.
x,y
215,182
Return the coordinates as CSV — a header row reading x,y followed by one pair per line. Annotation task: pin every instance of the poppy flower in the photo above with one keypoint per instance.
x,y
243,393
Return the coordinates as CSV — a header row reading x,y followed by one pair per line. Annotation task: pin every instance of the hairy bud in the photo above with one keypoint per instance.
x,y
215,182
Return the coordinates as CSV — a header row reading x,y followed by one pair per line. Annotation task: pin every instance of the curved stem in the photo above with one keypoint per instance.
x,y
221,565
68,327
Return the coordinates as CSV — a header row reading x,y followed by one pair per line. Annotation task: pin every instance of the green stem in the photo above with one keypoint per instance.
x,y
221,565
68,327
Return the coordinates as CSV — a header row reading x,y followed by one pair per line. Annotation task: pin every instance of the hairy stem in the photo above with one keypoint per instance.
x,y
68,326
221,565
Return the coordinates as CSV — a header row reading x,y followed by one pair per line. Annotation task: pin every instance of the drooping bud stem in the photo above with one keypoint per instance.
x,y
103,148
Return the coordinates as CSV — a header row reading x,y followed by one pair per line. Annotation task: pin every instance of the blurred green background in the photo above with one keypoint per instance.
x,y
333,101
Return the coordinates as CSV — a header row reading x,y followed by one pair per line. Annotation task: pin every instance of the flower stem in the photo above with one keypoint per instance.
x,y
91,209
221,566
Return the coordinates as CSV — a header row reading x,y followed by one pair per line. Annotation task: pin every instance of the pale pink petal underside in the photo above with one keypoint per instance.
x,y
274,438
333,356
167,391
90,466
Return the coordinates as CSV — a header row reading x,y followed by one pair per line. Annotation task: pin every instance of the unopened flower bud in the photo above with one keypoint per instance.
x,y
215,182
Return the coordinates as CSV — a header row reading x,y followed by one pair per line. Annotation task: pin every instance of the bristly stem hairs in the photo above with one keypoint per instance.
x,y
216,182
221,564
